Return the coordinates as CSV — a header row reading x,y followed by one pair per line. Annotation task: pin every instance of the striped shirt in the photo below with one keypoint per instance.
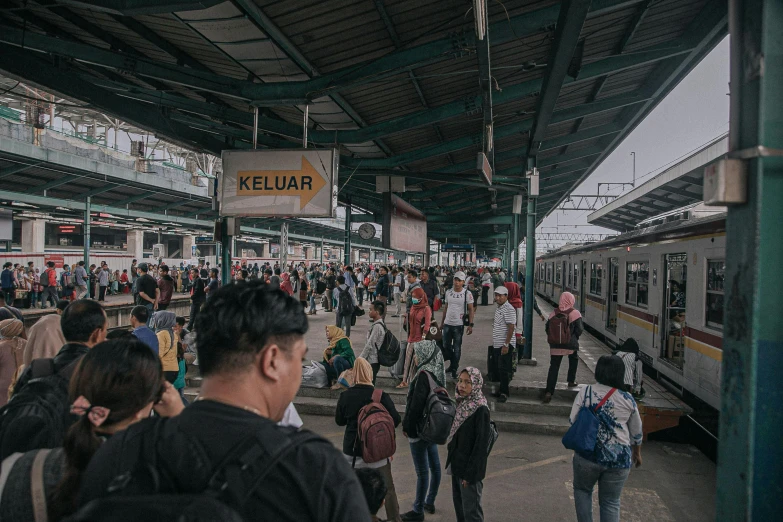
x,y
633,370
504,316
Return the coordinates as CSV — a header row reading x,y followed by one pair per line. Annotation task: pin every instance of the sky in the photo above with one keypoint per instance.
x,y
693,114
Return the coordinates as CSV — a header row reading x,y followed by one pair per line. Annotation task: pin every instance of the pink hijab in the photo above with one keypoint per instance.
x,y
567,301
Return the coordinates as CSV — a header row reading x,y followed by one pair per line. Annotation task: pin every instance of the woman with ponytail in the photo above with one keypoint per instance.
x,y
116,384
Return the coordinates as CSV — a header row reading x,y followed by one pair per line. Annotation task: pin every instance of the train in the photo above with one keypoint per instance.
x,y
661,285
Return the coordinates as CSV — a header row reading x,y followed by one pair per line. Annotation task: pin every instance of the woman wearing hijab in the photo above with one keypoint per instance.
x,y
339,355
418,323
285,284
515,300
163,322
556,352
347,414
44,340
12,344
428,360
467,446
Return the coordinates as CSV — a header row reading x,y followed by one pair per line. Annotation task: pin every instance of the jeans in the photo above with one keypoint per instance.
x,y
49,294
426,461
554,369
182,396
467,500
610,486
328,299
338,366
452,343
312,302
384,300
33,299
344,322
504,369
8,293
150,311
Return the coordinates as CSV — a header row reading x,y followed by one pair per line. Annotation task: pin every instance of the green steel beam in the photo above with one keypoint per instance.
x,y
432,176
572,16
98,190
178,203
142,7
466,219
750,455
15,169
161,43
706,30
580,136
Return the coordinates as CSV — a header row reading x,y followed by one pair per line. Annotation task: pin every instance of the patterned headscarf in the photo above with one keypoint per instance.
x,y
425,361
467,406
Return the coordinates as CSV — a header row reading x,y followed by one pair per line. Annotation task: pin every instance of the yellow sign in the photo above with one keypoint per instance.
x,y
305,183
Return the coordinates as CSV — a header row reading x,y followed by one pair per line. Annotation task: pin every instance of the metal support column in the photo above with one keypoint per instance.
x,y
530,266
255,127
225,252
87,232
347,258
514,249
321,259
438,263
750,456
283,247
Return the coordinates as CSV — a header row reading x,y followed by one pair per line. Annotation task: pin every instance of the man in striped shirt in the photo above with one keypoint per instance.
x,y
503,340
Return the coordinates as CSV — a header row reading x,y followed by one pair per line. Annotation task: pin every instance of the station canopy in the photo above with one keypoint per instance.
x,y
404,88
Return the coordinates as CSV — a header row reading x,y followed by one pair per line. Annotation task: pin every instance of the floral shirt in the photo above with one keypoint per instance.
x,y
619,429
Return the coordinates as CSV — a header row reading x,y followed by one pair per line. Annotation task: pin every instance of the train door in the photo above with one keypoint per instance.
x,y
614,285
582,288
549,288
675,278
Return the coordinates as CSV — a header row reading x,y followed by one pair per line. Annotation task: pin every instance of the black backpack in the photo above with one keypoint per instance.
x,y
147,493
38,414
389,351
344,302
439,413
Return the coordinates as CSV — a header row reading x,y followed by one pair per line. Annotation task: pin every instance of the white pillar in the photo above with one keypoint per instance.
x,y
188,242
265,250
33,236
136,244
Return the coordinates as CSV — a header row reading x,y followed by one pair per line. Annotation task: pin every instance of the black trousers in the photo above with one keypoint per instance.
x,y
376,367
504,369
194,308
484,295
554,370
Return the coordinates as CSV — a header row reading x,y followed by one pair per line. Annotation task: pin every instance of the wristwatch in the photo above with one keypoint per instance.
x,y
471,325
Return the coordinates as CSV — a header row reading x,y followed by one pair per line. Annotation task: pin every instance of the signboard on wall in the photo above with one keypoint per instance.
x,y
59,260
404,227
454,247
300,182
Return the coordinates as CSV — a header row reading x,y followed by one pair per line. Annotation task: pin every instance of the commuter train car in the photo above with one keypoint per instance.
x,y
661,285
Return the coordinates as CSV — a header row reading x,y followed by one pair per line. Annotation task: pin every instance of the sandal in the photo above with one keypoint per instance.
x,y
403,384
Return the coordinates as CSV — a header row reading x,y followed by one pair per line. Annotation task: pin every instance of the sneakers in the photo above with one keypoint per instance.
x,y
502,398
547,398
572,385
429,508
412,516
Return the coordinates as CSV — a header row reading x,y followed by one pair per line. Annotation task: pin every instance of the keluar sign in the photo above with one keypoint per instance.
x,y
300,182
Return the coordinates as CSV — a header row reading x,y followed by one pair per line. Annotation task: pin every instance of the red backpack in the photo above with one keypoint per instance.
x,y
559,330
375,436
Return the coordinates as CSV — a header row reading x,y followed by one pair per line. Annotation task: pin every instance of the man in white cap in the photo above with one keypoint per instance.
x,y
503,340
458,311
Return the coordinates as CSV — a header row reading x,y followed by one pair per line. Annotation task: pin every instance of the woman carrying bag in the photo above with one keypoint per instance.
x,y
428,363
418,324
615,426
467,445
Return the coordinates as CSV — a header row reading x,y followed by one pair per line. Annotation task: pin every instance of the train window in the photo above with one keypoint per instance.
x,y
716,272
576,275
558,273
549,272
595,278
636,283
570,278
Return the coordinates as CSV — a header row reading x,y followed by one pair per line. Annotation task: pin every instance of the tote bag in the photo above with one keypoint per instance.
x,y
583,433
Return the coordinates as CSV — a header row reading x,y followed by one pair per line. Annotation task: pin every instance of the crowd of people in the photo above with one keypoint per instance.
x,y
97,422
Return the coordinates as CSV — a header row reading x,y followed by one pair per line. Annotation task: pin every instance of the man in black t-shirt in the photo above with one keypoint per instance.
x,y
331,282
250,354
147,291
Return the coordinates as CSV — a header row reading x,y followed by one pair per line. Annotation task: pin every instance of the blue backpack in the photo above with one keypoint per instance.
x,y
583,433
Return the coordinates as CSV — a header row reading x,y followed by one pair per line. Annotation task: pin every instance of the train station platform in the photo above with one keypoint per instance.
x,y
529,474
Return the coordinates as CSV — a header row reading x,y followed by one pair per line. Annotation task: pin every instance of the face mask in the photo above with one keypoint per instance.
x,y
414,300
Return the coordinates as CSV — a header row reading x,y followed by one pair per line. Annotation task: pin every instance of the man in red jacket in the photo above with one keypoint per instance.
x,y
49,291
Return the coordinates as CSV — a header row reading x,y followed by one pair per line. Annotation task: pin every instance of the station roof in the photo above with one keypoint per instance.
x,y
402,87
674,188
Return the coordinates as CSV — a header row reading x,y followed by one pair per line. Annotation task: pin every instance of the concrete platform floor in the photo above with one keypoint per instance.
x,y
529,477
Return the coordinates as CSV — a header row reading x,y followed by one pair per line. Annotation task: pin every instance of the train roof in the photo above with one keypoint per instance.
x,y
714,224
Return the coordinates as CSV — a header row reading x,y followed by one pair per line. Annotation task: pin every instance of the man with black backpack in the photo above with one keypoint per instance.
x,y
377,339
345,305
226,450
38,414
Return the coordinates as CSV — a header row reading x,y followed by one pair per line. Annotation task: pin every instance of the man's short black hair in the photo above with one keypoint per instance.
x,y
7,265
180,320
213,271
277,271
268,271
80,319
413,273
373,486
120,333
62,304
50,264
163,268
379,306
341,280
349,268
610,371
239,321
141,313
